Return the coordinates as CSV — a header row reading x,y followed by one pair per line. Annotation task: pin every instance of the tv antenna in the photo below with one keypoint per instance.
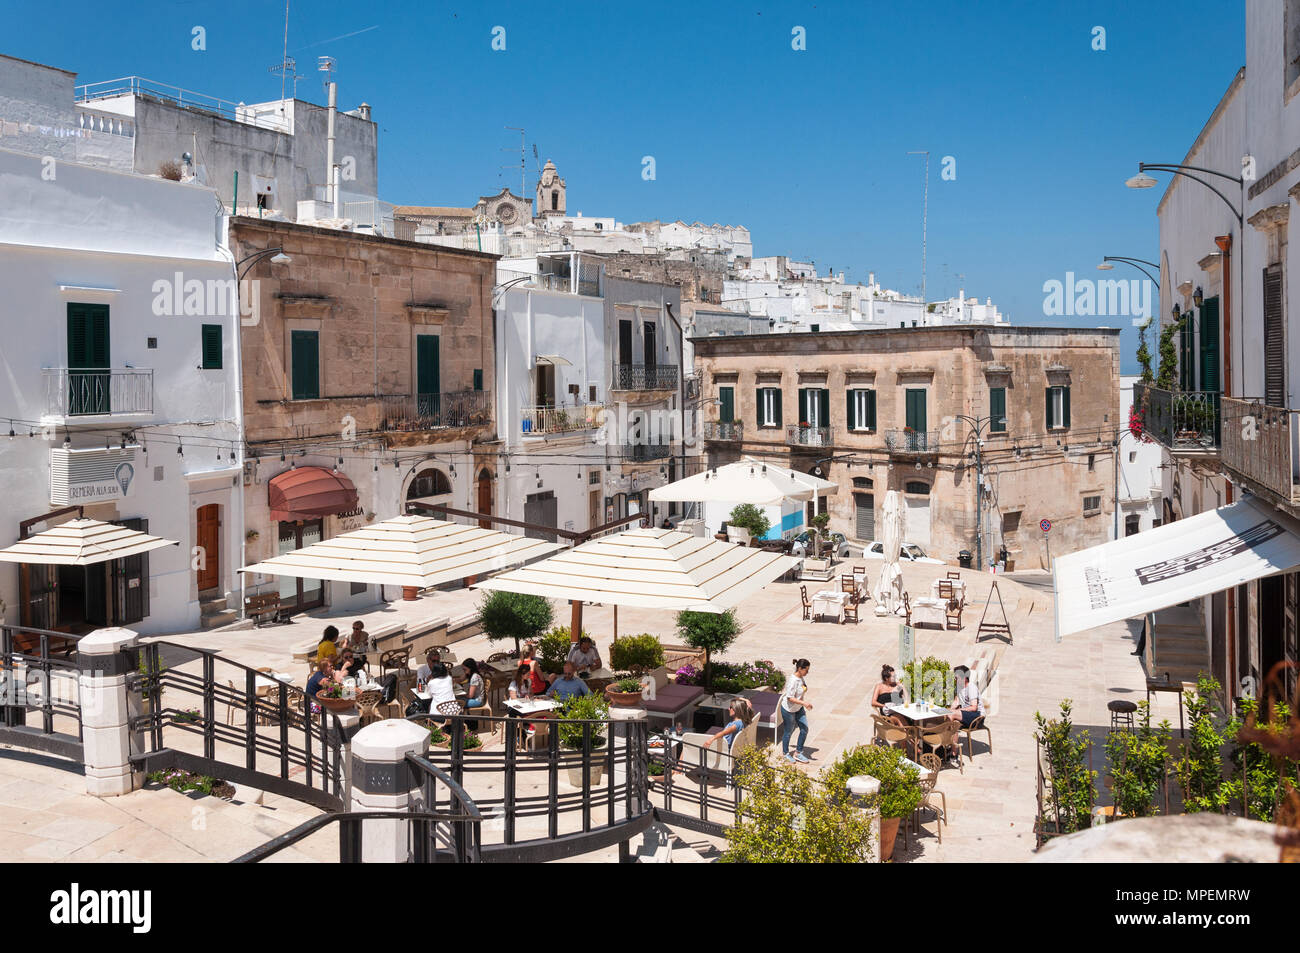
x,y
326,64
523,155
925,212
286,69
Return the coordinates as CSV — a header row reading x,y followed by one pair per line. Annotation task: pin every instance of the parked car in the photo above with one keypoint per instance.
x,y
838,544
908,552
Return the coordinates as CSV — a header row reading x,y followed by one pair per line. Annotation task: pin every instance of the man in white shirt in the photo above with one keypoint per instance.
x,y
584,655
966,704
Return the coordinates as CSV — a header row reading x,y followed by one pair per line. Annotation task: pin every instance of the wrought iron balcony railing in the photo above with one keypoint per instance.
x,y
645,376
797,436
1257,445
718,430
538,421
1182,421
467,408
83,392
908,440
643,452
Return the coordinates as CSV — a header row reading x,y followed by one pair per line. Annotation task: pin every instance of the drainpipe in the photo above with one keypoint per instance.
x,y
1224,242
238,390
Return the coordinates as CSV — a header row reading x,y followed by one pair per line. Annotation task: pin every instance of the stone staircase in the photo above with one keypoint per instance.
x,y
1181,647
662,845
213,612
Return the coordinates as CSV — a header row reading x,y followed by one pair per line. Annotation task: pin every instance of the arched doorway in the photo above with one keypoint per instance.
x,y
484,504
428,482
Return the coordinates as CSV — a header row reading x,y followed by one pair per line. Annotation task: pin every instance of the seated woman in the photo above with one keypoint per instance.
x,y
349,666
440,687
476,692
521,688
739,714
328,647
888,692
539,679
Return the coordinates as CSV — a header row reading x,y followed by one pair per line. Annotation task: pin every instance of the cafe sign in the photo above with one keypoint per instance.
x,y
82,477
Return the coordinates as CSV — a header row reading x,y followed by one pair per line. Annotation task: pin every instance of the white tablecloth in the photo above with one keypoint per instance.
x,y
830,601
958,589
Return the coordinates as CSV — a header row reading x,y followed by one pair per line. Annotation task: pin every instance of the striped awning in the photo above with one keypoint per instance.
x,y
81,542
407,551
650,569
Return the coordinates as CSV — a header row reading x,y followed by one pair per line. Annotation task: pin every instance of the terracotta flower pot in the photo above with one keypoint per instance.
x,y
888,834
336,704
623,699
410,593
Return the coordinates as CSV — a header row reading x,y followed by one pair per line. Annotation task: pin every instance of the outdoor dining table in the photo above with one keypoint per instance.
x,y
832,598
917,714
263,684
958,589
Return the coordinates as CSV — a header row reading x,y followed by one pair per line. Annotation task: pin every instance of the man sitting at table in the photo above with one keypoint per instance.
x,y
585,656
967,705
568,684
431,658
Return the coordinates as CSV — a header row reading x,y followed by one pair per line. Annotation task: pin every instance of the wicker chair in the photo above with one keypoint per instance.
x,y
944,735
451,708
931,763
979,724
368,703
890,733
394,660
498,656
807,606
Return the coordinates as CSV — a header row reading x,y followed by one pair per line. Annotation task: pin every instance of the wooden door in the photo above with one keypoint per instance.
x,y
485,496
208,538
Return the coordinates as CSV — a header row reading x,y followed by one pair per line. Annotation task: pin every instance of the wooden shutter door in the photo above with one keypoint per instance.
x,y
1274,339
776,405
824,408
849,422
304,353
871,410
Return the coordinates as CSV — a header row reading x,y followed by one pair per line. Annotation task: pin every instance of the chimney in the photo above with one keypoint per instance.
x,y
329,146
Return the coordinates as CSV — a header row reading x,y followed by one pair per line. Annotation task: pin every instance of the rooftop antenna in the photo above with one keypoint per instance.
x,y
523,155
286,64
925,211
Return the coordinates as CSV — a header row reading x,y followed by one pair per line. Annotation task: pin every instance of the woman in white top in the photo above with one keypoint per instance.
x,y
440,686
794,712
521,688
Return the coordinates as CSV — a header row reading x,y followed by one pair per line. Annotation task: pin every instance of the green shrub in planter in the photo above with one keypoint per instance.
x,y
592,707
636,653
900,783
472,741
626,685
750,517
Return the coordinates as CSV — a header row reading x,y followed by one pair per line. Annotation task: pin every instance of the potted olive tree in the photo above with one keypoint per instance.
x,y
749,517
513,615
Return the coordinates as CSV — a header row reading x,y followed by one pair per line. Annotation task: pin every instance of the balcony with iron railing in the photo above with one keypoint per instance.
x,y
645,452
405,412
1181,421
638,377
801,436
1259,446
908,440
724,430
92,392
546,420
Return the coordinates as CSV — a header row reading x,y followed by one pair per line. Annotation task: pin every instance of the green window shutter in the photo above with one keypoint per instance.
x,y
852,396
776,406
305,354
824,406
212,347
915,401
759,417
428,375
1047,418
727,410
1210,345
803,405
871,410
478,378
88,336
1065,406
1186,369
998,409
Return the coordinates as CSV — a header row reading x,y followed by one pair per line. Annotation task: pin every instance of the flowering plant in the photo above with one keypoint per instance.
x,y
1136,425
688,675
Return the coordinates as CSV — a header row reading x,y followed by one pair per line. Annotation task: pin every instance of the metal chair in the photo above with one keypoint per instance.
x,y
979,724
368,703
394,660
944,736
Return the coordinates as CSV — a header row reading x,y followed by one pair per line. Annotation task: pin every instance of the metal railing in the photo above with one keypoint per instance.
x,y
421,836
266,736
908,440
185,98
468,408
717,430
39,675
644,452
1258,443
1180,420
797,436
73,392
548,420
645,376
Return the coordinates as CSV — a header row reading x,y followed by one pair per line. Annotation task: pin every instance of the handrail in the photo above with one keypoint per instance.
x,y
350,825
16,703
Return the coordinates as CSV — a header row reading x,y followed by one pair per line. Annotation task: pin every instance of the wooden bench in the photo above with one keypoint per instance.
x,y
263,604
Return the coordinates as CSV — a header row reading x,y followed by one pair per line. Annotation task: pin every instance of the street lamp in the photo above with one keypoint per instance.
x,y
977,425
276,254
1136,263
1144,181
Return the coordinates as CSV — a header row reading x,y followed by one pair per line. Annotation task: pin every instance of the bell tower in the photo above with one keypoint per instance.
x,y
550,193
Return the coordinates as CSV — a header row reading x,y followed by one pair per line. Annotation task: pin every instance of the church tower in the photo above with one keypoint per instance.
x,y
550,193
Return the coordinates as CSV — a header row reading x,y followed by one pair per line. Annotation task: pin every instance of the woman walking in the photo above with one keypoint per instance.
x,y
794,711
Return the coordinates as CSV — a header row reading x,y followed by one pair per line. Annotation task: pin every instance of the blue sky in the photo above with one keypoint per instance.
x,y
807,148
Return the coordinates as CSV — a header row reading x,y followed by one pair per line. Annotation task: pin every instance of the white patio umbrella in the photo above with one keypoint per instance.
x,y
746,481
81,542
649,569
889,586
409,551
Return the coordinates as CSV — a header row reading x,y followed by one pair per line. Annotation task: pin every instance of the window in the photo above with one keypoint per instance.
x,y
212,347
769,406
478,378
1132,456
917,486
862,409
430,482
1291,43
357,588
593,478
814,406
304,353
726,405
998,409
1132,524
1091,505
88,359
1274,339
1092,460
1058,408
863,483
914,404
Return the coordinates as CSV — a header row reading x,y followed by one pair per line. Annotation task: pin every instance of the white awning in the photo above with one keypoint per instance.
x,y
1173,563
554,359
81,542
650,569
747,481
407,551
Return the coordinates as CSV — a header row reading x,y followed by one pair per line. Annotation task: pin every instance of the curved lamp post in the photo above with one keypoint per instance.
x,y
276,254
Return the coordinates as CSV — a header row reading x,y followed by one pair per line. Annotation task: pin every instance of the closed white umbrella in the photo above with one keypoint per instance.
x,y
889,586
409,551
81,542
747,481
649,569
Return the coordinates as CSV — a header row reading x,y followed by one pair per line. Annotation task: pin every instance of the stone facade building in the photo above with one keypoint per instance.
x,y
883,410
371,360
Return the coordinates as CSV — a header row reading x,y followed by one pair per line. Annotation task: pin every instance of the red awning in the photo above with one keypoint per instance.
x,y
307,493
